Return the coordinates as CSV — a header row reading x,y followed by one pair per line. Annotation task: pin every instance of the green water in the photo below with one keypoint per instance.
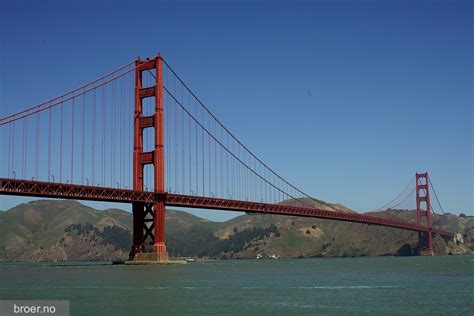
x,y
384,285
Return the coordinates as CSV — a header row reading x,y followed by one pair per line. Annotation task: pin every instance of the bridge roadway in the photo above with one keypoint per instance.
x,y
80,192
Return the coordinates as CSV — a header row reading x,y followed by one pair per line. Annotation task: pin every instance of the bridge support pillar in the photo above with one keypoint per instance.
x,y
138,227
425,244
159,246
149,218
423,210
148,233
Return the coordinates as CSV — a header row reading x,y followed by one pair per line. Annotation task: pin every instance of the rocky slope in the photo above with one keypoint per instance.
x,y
68,230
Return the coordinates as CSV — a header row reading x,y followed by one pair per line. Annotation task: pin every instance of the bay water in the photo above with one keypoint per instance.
x,y
438,285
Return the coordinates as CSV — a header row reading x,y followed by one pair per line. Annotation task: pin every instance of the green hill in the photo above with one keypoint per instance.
x,y
68,230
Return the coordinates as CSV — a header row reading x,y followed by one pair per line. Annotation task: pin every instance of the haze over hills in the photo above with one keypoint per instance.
x,y
68,230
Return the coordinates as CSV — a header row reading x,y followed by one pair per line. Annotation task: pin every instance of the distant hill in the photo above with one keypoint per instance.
x,y
307,202
68,230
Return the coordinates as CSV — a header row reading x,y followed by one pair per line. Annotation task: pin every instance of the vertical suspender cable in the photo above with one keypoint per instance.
x,y
13,149
26,147
196,134
182,146
215,160
23,151
112,138
202,142
189,143
61,145
227,168
175,147
9,148
129,135
93,134
209,155
104,132
72,141
222,166
83,137
49,144
37,144
168,144
121,140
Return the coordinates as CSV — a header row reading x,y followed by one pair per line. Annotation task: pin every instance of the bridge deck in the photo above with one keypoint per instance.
x,y
80,192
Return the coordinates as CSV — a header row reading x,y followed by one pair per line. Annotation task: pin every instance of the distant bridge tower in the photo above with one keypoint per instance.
x,y
423,209
149,218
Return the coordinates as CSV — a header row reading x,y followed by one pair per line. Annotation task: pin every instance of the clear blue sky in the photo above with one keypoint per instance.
x,y
346,99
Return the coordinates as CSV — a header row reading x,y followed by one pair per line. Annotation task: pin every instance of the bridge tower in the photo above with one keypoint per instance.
x,y
423,210
148,218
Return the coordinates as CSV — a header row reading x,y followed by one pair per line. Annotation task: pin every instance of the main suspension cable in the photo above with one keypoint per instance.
x,y
434,191
241,144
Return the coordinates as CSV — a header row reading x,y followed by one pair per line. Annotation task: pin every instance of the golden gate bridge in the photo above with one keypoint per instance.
x,y
140,135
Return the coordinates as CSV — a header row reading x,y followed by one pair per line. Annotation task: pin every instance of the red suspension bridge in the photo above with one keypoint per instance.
x,y
139,135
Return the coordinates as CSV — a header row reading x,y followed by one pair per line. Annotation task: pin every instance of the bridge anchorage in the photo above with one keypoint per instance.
x,y
182,156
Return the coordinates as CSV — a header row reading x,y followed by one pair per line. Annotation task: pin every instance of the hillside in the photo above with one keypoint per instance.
x,y
306,237
68,230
